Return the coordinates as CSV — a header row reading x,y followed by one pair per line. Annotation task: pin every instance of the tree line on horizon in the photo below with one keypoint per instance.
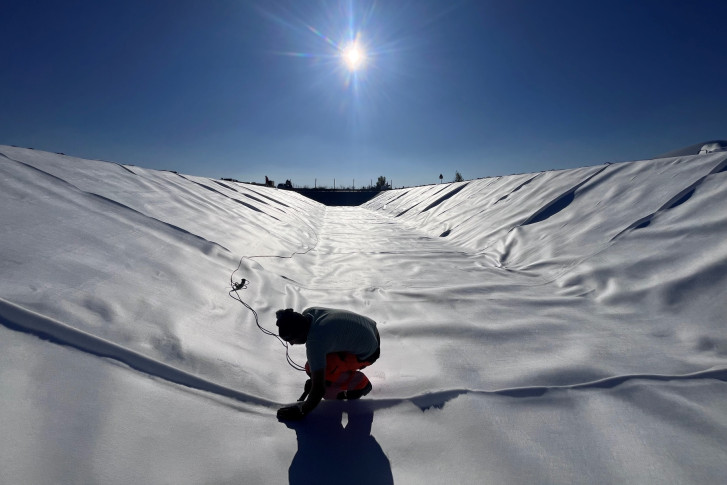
x,y
381,184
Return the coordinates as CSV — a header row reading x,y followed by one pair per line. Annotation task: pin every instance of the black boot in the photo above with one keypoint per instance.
x,y
306,390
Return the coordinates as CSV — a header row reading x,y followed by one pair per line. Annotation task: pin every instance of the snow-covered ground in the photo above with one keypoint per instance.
x,y
555,327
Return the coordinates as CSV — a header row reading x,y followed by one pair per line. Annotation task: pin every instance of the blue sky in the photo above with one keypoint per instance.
x,y
245,89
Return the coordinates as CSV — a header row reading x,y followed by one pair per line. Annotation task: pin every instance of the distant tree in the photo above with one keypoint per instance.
x,y
381,183
440,178
458,177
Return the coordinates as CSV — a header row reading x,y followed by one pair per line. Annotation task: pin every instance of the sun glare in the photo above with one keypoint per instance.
x,y
354,57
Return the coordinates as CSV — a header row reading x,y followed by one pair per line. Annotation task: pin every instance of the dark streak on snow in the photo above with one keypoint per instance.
x,y
516,189
126,168
444,197
171,226
23,320
249,206
225,185
439,399
119,204
679,199
269,198
560,202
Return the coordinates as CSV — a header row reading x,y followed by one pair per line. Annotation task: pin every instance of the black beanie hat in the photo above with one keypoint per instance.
x,y
290,323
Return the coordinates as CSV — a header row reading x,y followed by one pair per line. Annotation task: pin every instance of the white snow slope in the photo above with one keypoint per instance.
x,y
557,327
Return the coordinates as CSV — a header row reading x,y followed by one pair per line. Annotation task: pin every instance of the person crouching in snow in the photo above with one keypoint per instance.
x,y
338,344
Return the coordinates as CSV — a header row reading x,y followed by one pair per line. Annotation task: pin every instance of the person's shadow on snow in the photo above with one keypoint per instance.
x,y
328,452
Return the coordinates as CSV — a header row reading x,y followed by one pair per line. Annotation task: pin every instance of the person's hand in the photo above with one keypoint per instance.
x,y
291,413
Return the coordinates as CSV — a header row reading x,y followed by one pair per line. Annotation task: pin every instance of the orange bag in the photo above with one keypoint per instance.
x,y
343,381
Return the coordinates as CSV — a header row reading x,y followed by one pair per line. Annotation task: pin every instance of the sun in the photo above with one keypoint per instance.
x,y
353,56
